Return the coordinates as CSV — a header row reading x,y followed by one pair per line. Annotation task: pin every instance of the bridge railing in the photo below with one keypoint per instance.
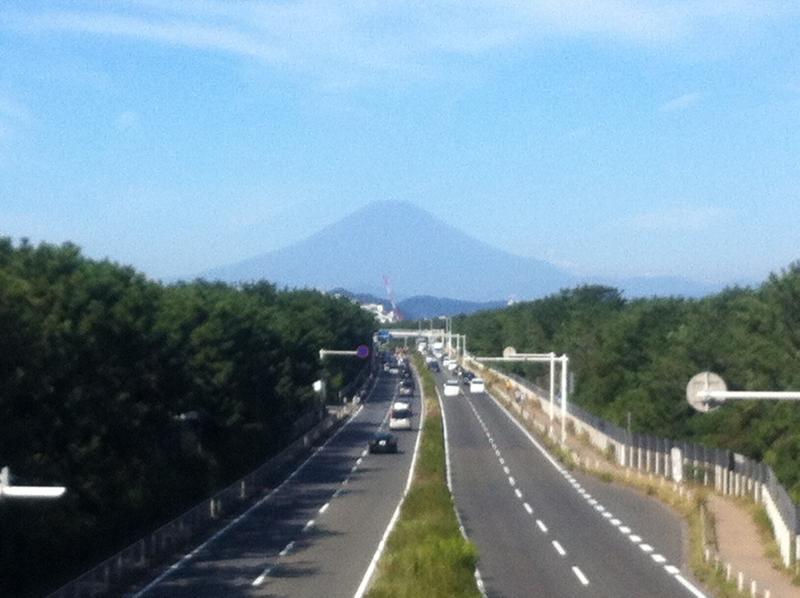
x,y
727,472
115,574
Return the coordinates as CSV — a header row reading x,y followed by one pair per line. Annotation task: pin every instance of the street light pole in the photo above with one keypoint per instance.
x,y
564,391
511,355
707,390
10,491
552,387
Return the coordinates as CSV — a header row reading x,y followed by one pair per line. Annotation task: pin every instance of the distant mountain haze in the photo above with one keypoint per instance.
x,y
422,256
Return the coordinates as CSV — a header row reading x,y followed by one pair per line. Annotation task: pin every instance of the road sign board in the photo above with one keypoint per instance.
x,y
704,381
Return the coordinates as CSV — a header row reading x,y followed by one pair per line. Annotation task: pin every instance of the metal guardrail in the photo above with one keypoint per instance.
x,y
118,572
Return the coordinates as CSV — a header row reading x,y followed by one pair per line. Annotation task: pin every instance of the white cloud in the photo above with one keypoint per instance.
x,y
678,219
388,35
681,102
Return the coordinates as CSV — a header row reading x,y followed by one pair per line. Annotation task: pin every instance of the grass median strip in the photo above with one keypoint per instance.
x,y
426,555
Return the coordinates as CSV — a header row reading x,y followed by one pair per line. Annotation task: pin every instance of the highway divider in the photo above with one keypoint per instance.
x,y
426,553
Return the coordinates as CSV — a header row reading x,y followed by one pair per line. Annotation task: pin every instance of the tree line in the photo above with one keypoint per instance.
x,y
142,398
633,359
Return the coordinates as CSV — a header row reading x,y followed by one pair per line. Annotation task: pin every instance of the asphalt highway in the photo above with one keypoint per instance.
x,y
543,531
316,534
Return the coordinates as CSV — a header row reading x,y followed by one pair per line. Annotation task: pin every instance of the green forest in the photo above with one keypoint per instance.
x,y
636,357
100,366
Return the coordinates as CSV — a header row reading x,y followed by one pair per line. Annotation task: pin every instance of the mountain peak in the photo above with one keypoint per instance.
x,y
420,253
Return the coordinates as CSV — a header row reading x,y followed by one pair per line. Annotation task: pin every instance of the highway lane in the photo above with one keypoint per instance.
x,y
541,531
316,534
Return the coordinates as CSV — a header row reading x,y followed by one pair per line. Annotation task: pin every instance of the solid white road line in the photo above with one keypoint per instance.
x,y
362,587
448,468
685,583
559,549
187,557
672,570
581,577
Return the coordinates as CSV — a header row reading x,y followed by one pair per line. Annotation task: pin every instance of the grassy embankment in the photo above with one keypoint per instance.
x,y
426,555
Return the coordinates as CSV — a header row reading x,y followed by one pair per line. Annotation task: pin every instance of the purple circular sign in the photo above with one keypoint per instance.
x,y
362,351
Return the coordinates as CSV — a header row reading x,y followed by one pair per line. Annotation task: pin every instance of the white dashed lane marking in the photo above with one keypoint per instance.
x,y
260,579
581,577
647,548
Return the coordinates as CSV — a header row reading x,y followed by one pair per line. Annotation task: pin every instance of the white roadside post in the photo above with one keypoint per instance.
x,y
7,490
564,391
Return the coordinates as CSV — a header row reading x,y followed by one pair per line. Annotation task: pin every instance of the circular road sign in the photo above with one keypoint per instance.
x,y
362,351
509,352
702,382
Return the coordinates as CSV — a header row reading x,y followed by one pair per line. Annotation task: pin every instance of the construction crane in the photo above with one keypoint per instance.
x,y
387,283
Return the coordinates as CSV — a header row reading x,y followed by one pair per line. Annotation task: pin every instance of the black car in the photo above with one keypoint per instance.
x,y
383,442
467,377
434,366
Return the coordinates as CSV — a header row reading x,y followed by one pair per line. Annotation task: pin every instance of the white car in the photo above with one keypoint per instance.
x,y
400,418
451,388
477,385
452,365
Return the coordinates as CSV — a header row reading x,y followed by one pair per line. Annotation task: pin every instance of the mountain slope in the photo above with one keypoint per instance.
x,y
421,254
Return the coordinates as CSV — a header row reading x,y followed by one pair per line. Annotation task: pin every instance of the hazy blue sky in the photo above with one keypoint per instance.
x,y
610,137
